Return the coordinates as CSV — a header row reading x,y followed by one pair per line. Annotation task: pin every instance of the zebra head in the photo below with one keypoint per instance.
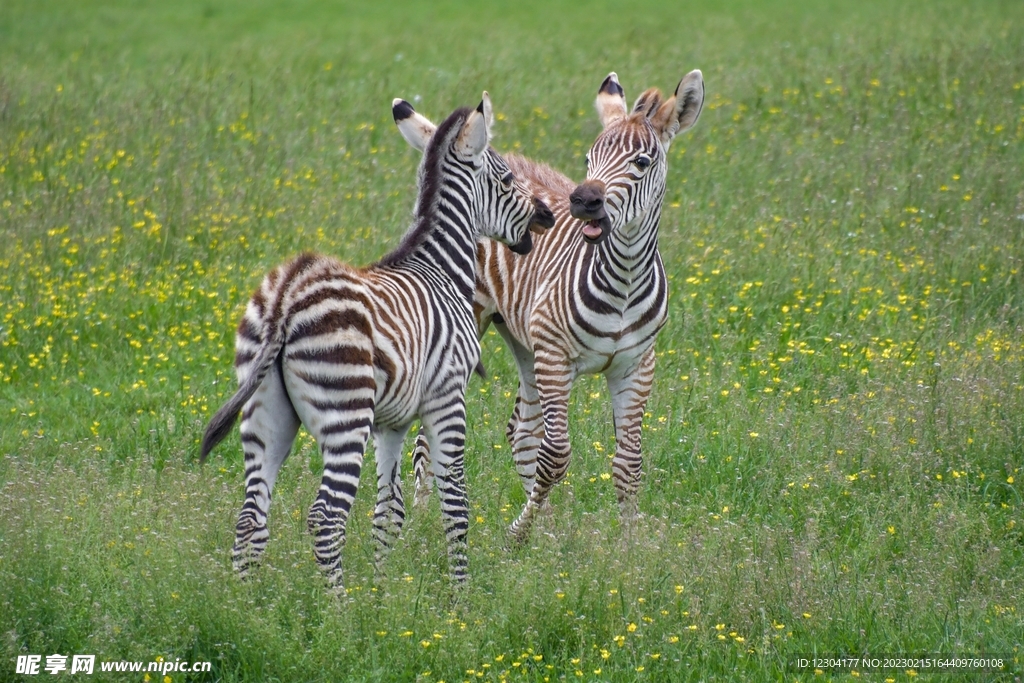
x,y
626,166
506,210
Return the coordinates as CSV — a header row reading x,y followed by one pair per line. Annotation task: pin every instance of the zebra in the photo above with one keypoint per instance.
x,y
351,353
590,298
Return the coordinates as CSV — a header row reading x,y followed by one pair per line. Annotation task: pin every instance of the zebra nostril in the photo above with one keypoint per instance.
x,y
586,199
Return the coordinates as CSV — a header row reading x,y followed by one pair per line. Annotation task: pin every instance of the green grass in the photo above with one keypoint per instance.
x,y
834,442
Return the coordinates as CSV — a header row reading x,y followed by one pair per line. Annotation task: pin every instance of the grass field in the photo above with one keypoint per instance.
x,y
834,442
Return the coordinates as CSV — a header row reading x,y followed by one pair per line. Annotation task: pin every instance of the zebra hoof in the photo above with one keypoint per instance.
x,y
244,565
516,538
422,500
338,594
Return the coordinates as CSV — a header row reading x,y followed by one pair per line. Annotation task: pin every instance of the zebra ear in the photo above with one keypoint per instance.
x,y
681,111
476,131
611,101
487,110
648,102
414,127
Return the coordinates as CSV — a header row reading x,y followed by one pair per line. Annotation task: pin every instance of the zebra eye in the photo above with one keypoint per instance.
x,y
507,179
642,161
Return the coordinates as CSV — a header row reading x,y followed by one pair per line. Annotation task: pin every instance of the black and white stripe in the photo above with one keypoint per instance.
x,y
591,296
352,352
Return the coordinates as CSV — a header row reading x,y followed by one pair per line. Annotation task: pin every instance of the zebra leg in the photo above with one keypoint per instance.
x,y
339,413
554,453
513,420
422,470
445,433
269,425
389,514
629,393
525,429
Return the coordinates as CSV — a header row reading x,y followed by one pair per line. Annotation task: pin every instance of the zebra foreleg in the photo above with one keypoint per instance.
x,y
553,457
389,513
269,425
629,394
525,429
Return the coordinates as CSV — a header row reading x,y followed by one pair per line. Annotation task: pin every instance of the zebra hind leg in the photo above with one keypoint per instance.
x,y
422,471
342,442
269,425
389,513
446,435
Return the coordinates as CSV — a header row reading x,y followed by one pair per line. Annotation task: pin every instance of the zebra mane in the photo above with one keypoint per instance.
x,y
430,173
538,176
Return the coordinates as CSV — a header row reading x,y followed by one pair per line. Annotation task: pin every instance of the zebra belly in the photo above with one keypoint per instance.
x,y
615,354
593,361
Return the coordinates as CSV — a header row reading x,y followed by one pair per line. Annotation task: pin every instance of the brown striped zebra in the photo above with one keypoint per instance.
x,y
591,296
352,352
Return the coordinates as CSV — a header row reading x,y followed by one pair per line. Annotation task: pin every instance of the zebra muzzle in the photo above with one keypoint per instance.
x,y
543,217
586,203
523,246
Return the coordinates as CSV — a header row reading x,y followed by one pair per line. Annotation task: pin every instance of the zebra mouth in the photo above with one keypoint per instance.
x,y
523,246
597,230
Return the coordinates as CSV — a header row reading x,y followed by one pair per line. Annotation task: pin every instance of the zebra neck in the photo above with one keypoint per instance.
x,y
448,251
628,259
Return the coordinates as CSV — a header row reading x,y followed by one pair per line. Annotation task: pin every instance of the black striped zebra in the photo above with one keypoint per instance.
x,y
591,296
352,352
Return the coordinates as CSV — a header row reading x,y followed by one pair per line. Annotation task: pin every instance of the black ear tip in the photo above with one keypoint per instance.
x,y
611,86
401,110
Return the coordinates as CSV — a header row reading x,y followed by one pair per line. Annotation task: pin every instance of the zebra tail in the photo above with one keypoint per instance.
x,y
224,419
